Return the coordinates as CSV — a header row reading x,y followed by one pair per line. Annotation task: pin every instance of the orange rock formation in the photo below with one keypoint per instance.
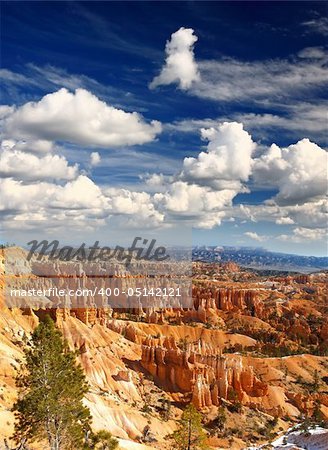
x,y
201,371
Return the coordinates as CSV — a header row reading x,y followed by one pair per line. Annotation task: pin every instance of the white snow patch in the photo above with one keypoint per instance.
x,y
315,439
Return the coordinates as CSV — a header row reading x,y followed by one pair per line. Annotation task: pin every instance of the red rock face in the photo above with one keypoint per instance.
x,y
207,301
302,279
227,299
89,316
324,332
201,371
231,266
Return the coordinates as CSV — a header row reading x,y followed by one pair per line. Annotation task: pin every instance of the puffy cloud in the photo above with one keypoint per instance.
x,y
200,205
138,204
255,236
27,158
312,214
227,161
200,194
80,118
246,212
95,158
191,198
80,200
308,233
312,53
6,110
180,66
78,194
16,196
26,166
155,181
284,221
298,171
31,146
81,193
301,234
204,188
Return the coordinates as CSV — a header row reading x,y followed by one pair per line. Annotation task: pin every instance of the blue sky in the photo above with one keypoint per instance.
x,y
259,64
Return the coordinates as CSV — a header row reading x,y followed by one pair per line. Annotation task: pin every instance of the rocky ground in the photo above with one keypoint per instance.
x,y
252,346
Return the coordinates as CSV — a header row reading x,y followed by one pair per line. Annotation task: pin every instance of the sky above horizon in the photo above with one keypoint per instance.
x,y
206,115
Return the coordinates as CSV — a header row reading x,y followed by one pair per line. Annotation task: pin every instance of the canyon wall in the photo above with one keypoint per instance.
x,y
201,371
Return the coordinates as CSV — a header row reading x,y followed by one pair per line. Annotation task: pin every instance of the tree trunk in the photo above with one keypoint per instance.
x,y
189,435
55,444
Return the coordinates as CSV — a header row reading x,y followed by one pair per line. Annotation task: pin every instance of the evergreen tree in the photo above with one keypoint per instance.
x,y
221,418
102,440
190,435
52,387
317,416
316,381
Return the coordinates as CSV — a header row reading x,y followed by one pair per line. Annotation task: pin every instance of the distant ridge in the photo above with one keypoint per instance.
x,y
259,258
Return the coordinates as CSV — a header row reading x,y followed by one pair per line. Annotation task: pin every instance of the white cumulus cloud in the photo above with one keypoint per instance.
x,y
312,53
255,236
27,166
80,118
180,65
284,221
139,205
16,196
299,171
81,193
95,158
227,161
205,186
301,234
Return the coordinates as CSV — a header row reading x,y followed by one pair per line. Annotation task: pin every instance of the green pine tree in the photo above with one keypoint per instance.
x,y
316,381
102,440
190,435
52,387
317,416
221,418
